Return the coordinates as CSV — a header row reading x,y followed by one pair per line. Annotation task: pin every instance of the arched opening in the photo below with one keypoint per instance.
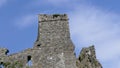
x,y
29,63
1,65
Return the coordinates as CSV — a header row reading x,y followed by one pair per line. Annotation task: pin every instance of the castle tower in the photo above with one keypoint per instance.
x,y
52,49
52,29
55,46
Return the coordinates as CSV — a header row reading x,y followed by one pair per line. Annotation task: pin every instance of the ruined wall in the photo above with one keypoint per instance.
x,y
52,49
87,58
57,49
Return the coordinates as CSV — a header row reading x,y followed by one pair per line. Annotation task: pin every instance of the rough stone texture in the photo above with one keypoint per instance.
x,y
52,49
57,49
87,58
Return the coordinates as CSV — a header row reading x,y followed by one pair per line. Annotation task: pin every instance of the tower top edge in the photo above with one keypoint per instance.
x,y
52,17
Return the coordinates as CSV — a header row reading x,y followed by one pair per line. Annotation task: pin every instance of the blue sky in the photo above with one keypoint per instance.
x,y
91,22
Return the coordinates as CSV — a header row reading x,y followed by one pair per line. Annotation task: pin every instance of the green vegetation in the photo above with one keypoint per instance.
x,y
16,64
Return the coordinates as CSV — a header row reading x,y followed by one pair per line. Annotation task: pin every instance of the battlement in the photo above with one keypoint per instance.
x,y
54,17
52,29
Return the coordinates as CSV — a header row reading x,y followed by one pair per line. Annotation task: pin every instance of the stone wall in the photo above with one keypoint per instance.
x,y
52,49
87,58
57,49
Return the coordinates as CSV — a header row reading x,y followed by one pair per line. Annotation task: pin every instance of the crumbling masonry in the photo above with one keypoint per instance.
x,y
52,49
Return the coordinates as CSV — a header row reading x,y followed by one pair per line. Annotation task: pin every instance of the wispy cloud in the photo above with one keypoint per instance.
x,y
2,2
98,27
25,21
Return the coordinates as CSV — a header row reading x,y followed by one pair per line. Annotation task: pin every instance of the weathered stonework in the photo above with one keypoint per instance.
x,y
52,49
87,58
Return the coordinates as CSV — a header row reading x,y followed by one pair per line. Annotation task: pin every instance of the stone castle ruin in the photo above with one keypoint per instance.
x,y
52,49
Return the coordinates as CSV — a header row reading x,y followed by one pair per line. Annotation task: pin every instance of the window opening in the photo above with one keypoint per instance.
x,y
29,61
1,65
38,45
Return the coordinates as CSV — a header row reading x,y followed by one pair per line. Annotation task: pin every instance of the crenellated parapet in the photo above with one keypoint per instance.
x,y
54,17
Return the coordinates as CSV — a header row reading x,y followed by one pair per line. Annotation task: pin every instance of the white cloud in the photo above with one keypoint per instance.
x,y
94,26
2,2
25,21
